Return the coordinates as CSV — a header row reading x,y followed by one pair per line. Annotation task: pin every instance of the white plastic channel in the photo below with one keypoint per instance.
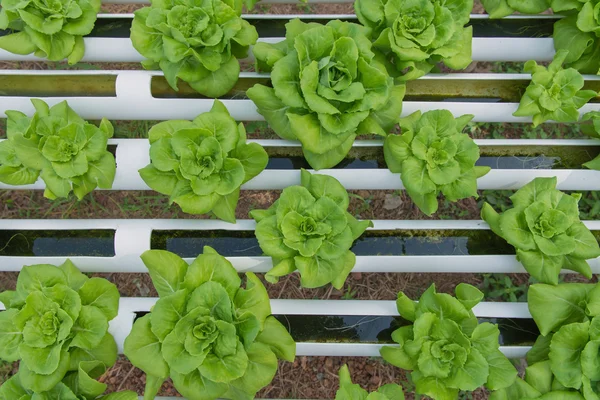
x,y
133,154
98,49
134,100
132,238
129,306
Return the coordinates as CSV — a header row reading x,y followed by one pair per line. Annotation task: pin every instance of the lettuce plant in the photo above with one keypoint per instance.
x,y
328,87
545,229
50,29
201,164
433,155
415,35
579,33
56,324
310,230
554,93
80,385
446,348
591,127
196,41
563,363
212,337
503,8
352,391
56,144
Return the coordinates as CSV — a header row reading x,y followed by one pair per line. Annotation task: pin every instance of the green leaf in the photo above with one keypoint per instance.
x,y
270,239
82,381
253,157
213,300
277,337
43,383
564,300
253,299
75,279
102,294
167,312
227,368
225,208
565,353
106,352
325,186
18,43
162,182
143,349
210,266
514,229
90,327
273,109
195,386
542,267
316,271
34,278
18,176
167,270
415,176
56,47
10,336
262,366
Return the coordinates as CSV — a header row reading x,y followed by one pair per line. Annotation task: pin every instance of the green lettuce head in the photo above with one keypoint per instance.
x,y
415,35
554,93
212,337
201,164
198,41
563,363
433,155
446,348
56,324
590,127
328,87
352,391
56,144
51,29
545,229
579,33
503,8
310,230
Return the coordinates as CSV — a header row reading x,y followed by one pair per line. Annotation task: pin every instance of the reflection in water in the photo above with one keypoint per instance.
x,y
93,243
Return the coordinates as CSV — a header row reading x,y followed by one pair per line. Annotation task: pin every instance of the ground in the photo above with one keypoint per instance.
x,y
307,377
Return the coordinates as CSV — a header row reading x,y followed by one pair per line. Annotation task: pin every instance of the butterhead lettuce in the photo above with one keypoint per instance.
x,y
214,338
445,348
68,153
51,29
415,35
56,324
310,230
198,41
432,155
328,87
545,229
201,164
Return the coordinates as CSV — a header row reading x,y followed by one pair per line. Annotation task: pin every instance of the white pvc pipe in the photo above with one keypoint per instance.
x,y
99,49
133,237
134,88
129,306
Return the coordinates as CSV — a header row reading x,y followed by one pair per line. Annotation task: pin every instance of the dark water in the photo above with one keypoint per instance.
x,y
530,27
388,243
507,162
96,243
370,329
